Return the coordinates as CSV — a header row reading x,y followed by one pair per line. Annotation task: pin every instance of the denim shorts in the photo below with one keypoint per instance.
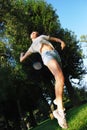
x,y
48,55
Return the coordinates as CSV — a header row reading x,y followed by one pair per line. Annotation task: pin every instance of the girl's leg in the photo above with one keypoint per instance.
x,y
55,68
59,86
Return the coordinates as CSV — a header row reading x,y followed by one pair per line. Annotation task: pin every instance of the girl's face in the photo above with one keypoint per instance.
x,y
33,35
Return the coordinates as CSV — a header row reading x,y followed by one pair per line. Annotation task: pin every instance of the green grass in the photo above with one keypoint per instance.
x,y
76,118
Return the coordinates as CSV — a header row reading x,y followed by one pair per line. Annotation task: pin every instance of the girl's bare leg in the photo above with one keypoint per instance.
x,y
55,68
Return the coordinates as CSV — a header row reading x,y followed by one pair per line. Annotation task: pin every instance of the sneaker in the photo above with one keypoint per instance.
x,y
61,119
57,104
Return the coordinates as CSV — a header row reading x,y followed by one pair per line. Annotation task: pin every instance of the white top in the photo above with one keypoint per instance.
x,y
37,43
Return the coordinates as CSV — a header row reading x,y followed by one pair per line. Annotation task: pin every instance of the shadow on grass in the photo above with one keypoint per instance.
x,y
48,125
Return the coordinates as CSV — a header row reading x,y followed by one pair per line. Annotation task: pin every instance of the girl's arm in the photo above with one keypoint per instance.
x,y
58,40
24,56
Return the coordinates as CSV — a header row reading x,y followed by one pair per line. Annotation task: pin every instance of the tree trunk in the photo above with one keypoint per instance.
x,y
32,119
23,126
72,93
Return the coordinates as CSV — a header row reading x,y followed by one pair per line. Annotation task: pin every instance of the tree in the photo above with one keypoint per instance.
x,y
72,59
83,38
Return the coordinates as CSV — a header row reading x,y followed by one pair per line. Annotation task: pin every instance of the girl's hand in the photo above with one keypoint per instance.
x,y
21,55
62,45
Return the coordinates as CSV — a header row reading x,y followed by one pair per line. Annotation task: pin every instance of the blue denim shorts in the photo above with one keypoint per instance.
x,y
48,55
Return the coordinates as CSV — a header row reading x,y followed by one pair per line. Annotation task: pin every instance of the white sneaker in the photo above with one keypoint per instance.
x,y
61,119
57,104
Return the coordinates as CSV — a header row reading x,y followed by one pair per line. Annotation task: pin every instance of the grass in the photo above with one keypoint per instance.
x,y
76,118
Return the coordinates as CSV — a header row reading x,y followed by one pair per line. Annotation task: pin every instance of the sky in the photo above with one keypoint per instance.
x,y
73,16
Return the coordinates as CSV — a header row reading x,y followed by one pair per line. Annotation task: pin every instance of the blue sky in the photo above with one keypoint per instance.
x,y
72,14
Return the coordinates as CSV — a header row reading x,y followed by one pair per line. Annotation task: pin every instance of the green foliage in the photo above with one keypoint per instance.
x,y
2,52
83,38
82,93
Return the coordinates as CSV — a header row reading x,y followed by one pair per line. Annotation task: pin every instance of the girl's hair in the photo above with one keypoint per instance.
x,y
37,33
